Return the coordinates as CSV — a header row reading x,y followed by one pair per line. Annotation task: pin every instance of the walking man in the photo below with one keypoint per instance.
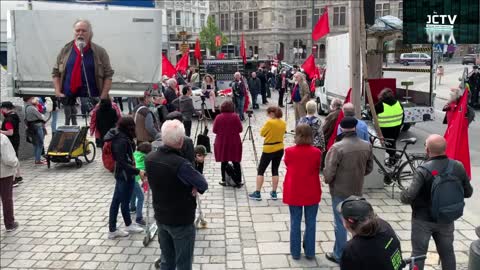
x,y
255,86
174,184
347,162
436,184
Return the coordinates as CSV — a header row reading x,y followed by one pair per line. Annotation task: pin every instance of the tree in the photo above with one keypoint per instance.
x,y
208,34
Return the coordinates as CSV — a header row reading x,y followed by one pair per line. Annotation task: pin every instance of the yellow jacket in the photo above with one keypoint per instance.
x,y
273,131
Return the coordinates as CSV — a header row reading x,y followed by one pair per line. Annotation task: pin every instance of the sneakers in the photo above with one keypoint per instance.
x,y
18,179
15,183
273,194
117,233
41,162
13,228
141,222
133,210
134,228
255,196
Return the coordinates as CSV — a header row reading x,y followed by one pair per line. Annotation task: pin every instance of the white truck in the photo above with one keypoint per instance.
x,y
418,106
132,38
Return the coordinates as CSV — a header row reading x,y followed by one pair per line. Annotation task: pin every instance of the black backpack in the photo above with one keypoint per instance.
x,y
447,195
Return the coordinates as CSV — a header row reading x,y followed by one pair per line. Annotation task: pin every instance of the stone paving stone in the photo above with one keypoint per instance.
x,y
64,224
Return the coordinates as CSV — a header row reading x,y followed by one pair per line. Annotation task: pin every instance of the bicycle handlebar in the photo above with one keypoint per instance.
x,y
378,138
408,261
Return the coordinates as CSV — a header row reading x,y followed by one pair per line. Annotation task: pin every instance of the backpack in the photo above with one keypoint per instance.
x,y
231,177
107,156
447,195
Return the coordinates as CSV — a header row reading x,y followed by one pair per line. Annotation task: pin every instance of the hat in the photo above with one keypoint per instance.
x,y
355,209
200,150
7,105
475,67
348,122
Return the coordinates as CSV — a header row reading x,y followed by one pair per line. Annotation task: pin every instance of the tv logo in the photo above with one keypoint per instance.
x,y
439,27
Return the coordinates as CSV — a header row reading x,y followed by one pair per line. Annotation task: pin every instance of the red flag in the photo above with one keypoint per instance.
x,y
182,64
310,68
167,67
198,54
221,56
218,41
331,141
456,134
243,54
321,28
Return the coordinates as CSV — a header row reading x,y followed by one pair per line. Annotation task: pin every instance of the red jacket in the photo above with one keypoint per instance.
x,y
302,181
228,145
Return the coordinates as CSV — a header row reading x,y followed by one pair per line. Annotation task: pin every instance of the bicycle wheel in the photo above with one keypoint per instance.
x,y
407,170
89,152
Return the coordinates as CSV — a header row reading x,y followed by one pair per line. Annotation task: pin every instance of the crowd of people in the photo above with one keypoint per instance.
x,y
152,149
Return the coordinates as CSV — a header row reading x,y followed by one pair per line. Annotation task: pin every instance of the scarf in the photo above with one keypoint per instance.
x,y
76,78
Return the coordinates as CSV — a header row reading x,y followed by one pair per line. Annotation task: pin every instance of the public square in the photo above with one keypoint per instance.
x,y
63,215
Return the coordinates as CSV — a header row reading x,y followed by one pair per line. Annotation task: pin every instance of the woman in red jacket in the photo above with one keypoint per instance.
x,y
302,190
228,145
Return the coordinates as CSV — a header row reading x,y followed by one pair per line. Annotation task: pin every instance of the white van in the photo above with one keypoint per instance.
x,y
415,58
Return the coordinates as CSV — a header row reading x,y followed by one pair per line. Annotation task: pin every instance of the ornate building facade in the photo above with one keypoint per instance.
x,y
282,28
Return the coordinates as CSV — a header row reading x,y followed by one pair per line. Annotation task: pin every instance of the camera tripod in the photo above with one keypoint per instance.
x,y
249,132
202,121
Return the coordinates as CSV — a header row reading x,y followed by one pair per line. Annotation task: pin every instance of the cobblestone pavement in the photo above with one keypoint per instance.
x,y
63,216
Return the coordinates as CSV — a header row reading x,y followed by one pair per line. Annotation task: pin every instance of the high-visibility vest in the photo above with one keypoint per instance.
x,y
391,116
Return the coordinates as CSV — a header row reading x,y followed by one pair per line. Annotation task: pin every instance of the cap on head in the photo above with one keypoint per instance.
x,y
355,209
7,105
348,122
200,150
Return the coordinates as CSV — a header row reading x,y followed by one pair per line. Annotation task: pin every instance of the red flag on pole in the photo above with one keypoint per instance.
x,y
312,71
182,64
243,54
456,134
167,67
198,53
331,141
322,27
218,41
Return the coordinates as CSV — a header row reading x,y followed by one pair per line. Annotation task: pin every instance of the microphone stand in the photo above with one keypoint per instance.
x,y
85,74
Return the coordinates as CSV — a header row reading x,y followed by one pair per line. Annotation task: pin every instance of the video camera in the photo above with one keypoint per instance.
x,y
249,113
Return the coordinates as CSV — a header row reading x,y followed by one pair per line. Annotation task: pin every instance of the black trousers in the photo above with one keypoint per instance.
x,y
266,158
263,90
188,127
281,94
391,133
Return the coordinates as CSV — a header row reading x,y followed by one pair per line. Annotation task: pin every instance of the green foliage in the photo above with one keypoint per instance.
x,y
208,34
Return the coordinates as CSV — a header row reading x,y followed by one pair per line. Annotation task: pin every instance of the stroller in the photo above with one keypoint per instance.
x,y
70,142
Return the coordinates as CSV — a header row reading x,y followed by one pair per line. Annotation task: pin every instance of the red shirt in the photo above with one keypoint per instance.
x,y
302,182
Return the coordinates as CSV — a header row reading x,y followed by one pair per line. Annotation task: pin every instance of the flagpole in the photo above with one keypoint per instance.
x,y
355,56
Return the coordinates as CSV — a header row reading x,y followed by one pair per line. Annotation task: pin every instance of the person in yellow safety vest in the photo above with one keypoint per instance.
x,y
390,120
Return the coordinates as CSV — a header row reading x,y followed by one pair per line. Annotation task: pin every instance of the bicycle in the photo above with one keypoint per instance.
x,y
400,173
411,262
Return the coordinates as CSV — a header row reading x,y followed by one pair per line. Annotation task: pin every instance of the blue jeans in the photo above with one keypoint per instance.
x,y
137,197
38,145
340,231
295,229
54,121
239,103
176,245
121,198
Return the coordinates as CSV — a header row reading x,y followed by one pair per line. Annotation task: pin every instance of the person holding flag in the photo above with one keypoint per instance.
x,y
300,96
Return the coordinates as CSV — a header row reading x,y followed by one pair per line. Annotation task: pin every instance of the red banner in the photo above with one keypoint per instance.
x,y
218,41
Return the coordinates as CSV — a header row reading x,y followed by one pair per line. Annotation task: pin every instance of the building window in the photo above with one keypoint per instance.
x,y
187,19
400,10
301,18
194,18
339,15
202,20
252,20
169,17
238,21
178,18
224,22
317,13
321,51
382,10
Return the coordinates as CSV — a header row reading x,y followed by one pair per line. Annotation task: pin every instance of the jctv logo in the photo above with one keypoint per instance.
x,y
439,27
